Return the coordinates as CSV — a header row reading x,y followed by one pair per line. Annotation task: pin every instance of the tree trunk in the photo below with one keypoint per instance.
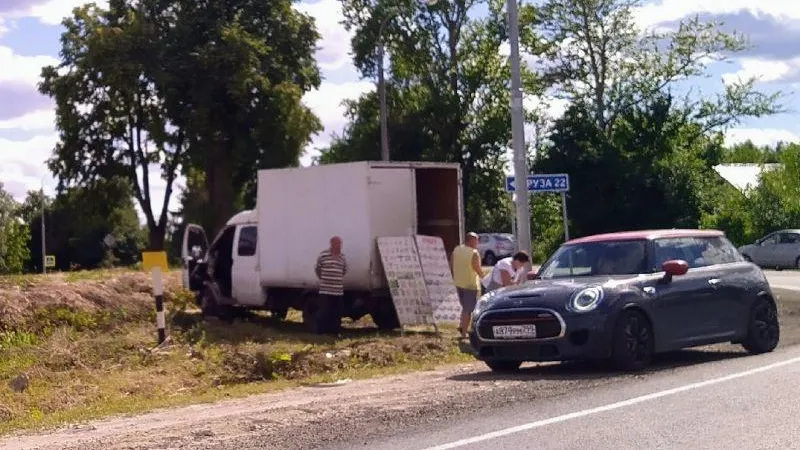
x,y
156,237
219,185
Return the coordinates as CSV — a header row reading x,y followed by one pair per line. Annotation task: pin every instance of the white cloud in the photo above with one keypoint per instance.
x,y
662,11
33,121
326,102
22,164
52,12
22,69
763,70
334,45
760,136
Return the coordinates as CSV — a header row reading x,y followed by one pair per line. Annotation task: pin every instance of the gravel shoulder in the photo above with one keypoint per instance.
x,y
321,416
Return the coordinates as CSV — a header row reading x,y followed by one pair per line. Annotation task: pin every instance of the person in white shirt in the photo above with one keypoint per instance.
x,y
506,272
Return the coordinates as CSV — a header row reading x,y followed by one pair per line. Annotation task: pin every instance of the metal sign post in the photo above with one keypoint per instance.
x,y
554,182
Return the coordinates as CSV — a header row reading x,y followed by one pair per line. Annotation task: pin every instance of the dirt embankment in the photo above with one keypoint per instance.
x,y
31,302
82,346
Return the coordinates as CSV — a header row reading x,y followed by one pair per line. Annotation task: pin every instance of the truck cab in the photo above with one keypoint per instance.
x,y
225,273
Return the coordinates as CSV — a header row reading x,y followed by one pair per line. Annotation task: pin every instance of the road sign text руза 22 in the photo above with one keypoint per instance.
x,y
558,182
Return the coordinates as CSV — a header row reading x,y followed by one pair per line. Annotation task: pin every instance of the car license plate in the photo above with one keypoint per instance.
x,y
514,331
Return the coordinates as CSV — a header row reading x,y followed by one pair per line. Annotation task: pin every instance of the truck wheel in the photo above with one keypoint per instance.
x,y
208,306
280,314
385,318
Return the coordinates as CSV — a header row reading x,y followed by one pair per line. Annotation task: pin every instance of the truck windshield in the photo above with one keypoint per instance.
x,y
596,258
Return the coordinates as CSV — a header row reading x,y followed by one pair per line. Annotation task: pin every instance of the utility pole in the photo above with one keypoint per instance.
x,y
44,247
382,99
518,134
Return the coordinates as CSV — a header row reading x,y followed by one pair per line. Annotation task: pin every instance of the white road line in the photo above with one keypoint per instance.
x,y
785,287
612,406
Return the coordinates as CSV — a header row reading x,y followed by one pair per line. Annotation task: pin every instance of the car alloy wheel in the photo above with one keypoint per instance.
x,y
763,330
504,366
633,341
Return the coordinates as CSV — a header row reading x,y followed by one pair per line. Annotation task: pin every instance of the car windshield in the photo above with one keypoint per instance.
x,y
504,238
597,258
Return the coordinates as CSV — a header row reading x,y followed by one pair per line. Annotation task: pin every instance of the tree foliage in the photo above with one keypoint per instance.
x,y
236,72
599,57
14,235
448,96
651,172
154,87
773,204
82,240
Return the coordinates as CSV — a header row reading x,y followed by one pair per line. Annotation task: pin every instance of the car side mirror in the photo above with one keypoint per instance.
x,y
533,275
674,268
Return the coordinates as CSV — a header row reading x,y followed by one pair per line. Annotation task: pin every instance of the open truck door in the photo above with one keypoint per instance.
x,y
193,250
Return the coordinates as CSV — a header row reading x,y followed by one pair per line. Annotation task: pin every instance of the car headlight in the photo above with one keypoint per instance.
x,y
481,303
586,299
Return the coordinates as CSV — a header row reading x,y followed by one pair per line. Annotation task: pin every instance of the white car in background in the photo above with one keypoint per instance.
x,y
779,250
495,246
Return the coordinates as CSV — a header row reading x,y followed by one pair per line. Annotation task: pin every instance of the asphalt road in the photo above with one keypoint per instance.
x,y
743,401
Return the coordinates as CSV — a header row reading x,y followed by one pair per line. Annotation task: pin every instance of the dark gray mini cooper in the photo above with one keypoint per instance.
x,y
626,296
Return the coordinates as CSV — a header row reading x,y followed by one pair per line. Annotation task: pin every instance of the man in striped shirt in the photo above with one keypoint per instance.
x,y
331,268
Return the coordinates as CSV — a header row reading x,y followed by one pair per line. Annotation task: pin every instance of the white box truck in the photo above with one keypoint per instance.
x,y
265,258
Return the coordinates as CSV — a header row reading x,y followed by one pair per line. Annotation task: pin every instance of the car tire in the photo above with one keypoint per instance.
x,y
489,259
763,328
632,342
504,366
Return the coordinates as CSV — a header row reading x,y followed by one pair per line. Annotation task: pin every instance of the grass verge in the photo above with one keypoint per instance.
x,y
85,343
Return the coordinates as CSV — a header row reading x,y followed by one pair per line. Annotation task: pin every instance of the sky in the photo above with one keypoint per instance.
x,y
29,40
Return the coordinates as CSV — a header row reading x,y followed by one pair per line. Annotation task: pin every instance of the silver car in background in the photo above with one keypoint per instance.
x,y
778,250
495,246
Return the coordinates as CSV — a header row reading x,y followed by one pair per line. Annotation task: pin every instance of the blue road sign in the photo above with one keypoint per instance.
x,y
553,182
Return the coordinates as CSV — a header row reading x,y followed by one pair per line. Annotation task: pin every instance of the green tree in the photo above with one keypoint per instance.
x,y
600,58
109,113
448,94
747,152
81,239
234,73
651,172
14,235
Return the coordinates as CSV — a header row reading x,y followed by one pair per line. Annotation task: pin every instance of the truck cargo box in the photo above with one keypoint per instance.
x,y
300,209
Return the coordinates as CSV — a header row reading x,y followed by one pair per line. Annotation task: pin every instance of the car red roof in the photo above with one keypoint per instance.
x,y
645,234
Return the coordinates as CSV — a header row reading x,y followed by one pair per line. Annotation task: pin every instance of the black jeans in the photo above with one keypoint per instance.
x,y
330,313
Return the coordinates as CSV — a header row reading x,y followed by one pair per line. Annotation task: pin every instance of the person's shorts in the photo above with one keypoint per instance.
x,y
468,298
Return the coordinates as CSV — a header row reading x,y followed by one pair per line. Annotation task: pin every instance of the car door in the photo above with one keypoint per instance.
x,y
193,250
684,306
246,280
788,249
732,275
764,253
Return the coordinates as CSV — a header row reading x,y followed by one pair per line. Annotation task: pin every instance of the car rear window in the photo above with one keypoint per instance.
x,y
696,251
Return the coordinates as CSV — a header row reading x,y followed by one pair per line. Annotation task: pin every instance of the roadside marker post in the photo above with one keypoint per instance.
x,y
546,182
156,264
